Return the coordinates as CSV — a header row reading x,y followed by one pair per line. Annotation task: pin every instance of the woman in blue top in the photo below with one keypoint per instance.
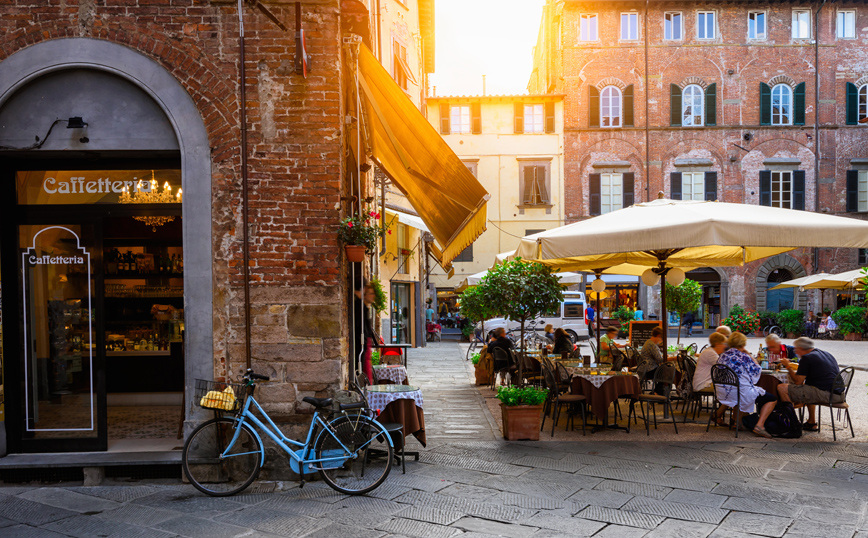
x,y
748,372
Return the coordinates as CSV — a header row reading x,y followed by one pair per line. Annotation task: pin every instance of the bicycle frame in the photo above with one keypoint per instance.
x,y
286,443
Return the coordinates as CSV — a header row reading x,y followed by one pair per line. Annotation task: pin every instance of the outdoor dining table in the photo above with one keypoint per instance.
x,y
769,380
400,404
391,373
602,389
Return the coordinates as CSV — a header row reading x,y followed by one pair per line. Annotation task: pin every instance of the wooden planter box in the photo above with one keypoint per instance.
x,y
853,337
792,335
521,422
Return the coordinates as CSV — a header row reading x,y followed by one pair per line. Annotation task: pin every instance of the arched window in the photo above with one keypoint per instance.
x,y
692,109
782,105
863,102
610,107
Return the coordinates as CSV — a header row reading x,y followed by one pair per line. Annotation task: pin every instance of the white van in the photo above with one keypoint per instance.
x,y
569,317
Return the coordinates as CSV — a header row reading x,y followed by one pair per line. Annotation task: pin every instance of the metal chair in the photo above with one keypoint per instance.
x,y
504,364
665,374
691,349
842,383
556,400
724,376
618,358
530,369
594,355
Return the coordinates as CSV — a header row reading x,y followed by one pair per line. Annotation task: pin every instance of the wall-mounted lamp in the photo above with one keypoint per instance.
x,y
76,122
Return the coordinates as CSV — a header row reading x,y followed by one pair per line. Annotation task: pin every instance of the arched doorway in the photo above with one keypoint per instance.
x,y
780,299
714,304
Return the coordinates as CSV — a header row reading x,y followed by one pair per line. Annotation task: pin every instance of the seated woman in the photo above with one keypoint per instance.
x,y
550,332
562,344
748,372
607,343
777,350
707,359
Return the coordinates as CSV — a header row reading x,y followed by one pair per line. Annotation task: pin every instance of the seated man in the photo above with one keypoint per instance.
x,y
500,340
778,350
813,379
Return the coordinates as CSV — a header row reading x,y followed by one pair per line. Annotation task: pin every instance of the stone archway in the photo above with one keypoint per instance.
x,y
36,61
781,262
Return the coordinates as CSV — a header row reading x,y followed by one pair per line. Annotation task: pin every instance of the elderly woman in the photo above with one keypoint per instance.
x,y
707,359
777,350
748,372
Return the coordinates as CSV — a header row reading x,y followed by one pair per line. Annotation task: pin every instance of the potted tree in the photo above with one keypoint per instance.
x,y
359,233
851,322
473,305
792,322
683,299
522,291
521,412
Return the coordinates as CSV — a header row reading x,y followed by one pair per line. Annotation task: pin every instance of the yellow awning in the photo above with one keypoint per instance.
x,y
411,152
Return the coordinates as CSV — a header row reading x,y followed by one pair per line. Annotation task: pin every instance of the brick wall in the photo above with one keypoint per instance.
x,y
295,166
737,66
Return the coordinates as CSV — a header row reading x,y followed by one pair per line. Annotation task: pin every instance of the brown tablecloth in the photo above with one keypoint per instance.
x,y
406,412
611,390
769,383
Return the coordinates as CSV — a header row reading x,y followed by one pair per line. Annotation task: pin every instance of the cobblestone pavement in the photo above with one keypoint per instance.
x,y
469,483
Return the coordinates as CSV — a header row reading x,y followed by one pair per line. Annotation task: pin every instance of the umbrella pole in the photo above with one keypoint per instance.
x,y
665,315
595,359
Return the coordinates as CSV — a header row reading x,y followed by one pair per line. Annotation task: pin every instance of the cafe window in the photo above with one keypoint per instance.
x,y
857,191
784,189
618,295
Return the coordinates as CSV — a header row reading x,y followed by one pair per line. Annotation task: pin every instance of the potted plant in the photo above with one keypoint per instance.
x,y
521,411
624,314
482,369
743,321
851,321
683,299
359,233
791,322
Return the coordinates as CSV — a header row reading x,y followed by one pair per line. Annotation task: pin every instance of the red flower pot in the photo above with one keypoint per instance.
x,y
355,253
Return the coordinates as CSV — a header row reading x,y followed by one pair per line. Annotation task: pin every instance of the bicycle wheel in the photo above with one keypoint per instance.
x,y
227,475
472,349
774,329
369,461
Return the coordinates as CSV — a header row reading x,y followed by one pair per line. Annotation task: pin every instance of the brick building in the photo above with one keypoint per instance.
x,y
724,100
123,151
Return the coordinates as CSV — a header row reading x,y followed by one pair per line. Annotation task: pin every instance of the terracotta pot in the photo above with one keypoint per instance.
x,y
758,334
521,422
853,337
355,253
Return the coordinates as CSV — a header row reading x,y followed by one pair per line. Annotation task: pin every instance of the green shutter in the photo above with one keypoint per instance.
x,y
711,104
799,105
799,189
765,104
628,106
852,104
593,107
852,191
550,117
765,185
675,186
674,104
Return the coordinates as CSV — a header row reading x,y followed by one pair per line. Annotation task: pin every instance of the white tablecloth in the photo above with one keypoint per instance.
x,y
396,374
379,400
596,380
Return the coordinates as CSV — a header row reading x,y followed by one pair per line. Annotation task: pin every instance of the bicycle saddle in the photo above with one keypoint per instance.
x,y
317,402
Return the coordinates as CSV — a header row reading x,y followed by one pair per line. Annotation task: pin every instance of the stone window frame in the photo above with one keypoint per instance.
x,y
765,34
680,26
795,11
621,38
523,163
596,17
790,107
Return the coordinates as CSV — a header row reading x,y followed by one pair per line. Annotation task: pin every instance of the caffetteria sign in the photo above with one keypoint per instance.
x,y
45,259
69,187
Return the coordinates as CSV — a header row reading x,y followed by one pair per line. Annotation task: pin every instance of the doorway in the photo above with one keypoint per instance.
x,y
782,299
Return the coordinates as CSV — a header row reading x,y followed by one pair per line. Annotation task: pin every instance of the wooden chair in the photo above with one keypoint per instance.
x,y
665,374
724,376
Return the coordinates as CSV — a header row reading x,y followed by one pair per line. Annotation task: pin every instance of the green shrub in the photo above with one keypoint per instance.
x,y
375,358
767,317
792,321
850,319
521,396
624,314
466,331
474,359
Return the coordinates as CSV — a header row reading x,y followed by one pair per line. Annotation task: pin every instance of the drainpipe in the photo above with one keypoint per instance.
x,y
647,89
816,259
379,22
245,247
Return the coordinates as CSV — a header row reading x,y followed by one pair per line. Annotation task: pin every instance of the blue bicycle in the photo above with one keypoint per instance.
x,y
351,451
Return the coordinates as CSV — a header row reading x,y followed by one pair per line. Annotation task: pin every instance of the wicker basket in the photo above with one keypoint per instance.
x,y
219,396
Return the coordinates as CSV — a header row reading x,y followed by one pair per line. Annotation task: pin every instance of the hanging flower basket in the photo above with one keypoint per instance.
x,y
355,253
360,233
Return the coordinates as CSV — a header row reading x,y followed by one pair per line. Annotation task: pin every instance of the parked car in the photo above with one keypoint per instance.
x,y
570,317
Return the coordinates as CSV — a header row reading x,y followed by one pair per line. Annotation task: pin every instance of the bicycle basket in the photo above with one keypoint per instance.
x,y
219,396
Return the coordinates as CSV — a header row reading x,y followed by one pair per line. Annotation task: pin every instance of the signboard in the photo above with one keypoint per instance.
x,y
91,186
640,332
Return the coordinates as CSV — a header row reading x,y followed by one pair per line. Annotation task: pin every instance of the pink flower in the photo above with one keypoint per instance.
x,y
390,232
377,216
349,225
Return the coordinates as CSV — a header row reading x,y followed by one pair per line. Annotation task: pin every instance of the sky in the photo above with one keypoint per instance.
x,y
484,37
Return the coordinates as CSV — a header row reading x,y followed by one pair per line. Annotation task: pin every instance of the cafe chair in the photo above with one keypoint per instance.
x,y
395,430
504,365
530,369
665,375
724,376
593,345
842,383
556,400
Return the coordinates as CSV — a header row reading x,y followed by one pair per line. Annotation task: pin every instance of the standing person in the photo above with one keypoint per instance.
x,y
811,325
429,314
589,319
813,380
364,337
638,315
687,321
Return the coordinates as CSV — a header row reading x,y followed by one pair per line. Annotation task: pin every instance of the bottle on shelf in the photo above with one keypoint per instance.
x,y
180,263
173,263
133,266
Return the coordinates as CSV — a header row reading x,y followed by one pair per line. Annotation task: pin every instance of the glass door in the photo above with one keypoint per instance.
x,y
400,313
60,348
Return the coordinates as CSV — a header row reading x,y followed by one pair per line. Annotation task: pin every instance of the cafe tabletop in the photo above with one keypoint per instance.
x,y
395,373
379,396
401,404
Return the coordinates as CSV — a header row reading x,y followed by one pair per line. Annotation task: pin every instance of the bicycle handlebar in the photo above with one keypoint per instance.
x,y
251,375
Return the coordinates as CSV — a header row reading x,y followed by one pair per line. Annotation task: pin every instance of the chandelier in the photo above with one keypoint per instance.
x,y
152,196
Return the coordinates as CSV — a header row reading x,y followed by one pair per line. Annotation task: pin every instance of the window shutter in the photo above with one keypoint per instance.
x,y
766,108
475,118
519,117
799,105
852,105
627,180
799,189
628,106
528,176
445,127
593,107
711,104
711,186
541,183
594,188
675,186
674,105
766,187
852,191
550,117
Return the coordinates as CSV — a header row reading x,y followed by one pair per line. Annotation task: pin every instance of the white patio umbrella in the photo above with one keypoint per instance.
x,y
665,235
805,282
825,281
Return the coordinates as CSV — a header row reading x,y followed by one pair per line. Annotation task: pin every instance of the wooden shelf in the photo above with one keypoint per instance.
x,y
143,276
160,353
